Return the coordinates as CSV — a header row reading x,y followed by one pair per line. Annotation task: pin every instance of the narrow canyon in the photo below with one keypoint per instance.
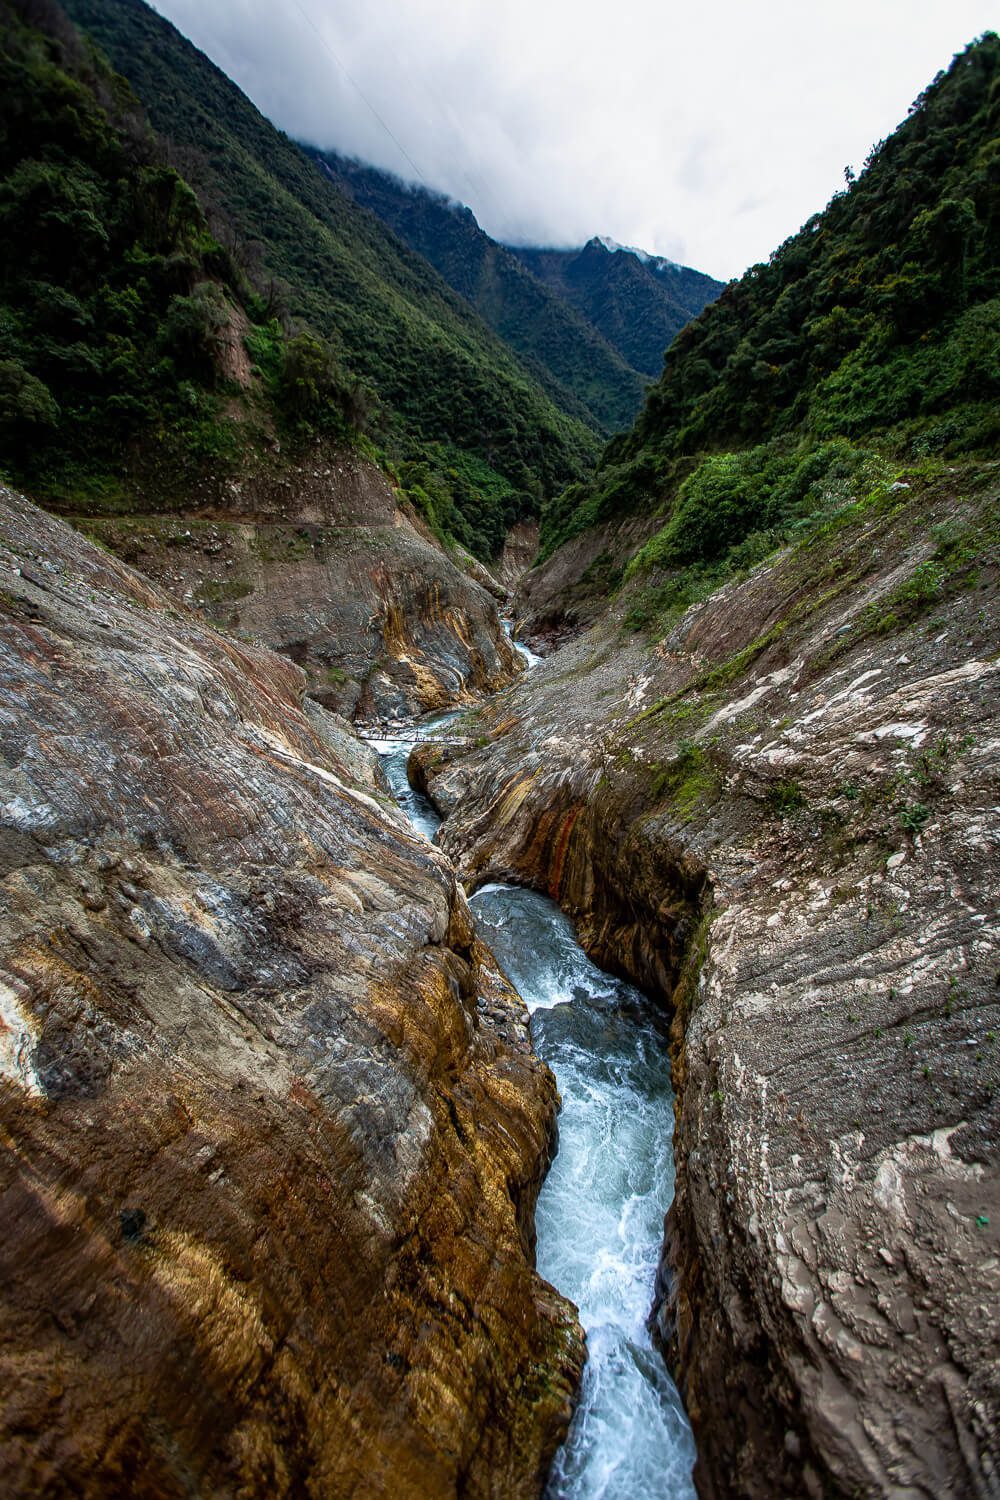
x,y
499,765
306,1237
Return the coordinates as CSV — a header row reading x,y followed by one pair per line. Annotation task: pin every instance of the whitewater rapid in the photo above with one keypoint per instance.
x,y
600,1213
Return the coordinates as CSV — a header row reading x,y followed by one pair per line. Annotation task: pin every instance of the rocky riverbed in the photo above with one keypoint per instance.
x,y
780,814
272,1125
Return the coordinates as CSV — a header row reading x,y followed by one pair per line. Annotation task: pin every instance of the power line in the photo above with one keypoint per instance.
x,y
354,83
444,112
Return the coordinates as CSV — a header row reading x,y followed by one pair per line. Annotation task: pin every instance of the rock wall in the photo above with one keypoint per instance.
x,y
781,815
318,561
519,549
272,1127
569,590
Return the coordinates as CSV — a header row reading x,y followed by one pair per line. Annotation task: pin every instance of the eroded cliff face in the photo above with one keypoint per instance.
x,y
781,815
319,561
518,552
272,1127
568,591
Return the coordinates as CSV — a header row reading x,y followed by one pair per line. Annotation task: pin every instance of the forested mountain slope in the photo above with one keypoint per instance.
x,y
639,302
571,358
482,442
121,315
868,341
763,782
150,388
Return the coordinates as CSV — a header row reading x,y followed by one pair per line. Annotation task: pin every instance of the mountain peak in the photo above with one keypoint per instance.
x,y
657,262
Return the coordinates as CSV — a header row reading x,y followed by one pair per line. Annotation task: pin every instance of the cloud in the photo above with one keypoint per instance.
x,y
708,133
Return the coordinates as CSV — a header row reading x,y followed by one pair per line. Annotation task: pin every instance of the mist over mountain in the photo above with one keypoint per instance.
x,y
568,353
703,133
594,324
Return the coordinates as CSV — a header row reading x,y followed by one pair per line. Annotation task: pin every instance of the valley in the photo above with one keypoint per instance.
x,y
498,831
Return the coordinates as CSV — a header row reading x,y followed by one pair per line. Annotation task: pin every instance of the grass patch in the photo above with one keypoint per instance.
x,y
785,797
691,779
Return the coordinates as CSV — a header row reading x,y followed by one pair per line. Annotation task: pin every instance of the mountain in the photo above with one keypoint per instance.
x,y
758,767
571,359
148,390
639,302
466,423
868,339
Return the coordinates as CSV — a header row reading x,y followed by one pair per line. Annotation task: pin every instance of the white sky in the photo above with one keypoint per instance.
x,y
704,132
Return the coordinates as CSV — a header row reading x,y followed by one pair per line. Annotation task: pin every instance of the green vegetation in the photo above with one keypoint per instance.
x,y
117,303
689,780
913,817
460,497
732,512
785,797
829,561
638,305
581,372
881,311
443,382
867,344
745,500
906,798
961,550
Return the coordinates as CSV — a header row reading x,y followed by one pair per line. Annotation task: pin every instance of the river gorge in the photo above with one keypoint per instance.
x,y
499,762
599,1219
285,1205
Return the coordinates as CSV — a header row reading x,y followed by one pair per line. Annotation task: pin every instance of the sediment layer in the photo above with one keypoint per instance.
x,y
779,814
272,1125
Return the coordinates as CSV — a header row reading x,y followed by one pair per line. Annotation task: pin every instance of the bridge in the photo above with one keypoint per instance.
x,y
409,739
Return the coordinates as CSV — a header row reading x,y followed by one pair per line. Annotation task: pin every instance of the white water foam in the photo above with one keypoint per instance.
x,y
600,1212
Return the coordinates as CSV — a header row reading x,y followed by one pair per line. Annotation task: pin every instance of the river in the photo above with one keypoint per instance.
x,y
600,1212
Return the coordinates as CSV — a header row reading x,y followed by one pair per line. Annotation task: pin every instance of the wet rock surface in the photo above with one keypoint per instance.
x,y
781,814
320,562
272,1127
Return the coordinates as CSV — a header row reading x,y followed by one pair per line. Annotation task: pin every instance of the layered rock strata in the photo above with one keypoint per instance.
x,y
781,814
519,551
321,562
568,591
272,1127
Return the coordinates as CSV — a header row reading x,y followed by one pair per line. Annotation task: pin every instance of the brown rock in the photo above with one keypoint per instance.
x,y
266,1177
781,815
316,559
519,549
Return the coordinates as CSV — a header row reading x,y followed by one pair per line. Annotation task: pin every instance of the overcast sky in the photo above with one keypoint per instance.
x,y
707,132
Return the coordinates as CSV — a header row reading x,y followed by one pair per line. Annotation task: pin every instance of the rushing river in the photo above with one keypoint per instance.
x,y
600,1211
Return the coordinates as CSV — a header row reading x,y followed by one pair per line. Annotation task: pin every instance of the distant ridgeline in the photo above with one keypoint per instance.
x,y
591,324
578,368
169,298
115,298
638,302
869,338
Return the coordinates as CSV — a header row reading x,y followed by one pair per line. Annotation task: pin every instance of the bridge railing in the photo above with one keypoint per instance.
x,y
406,739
